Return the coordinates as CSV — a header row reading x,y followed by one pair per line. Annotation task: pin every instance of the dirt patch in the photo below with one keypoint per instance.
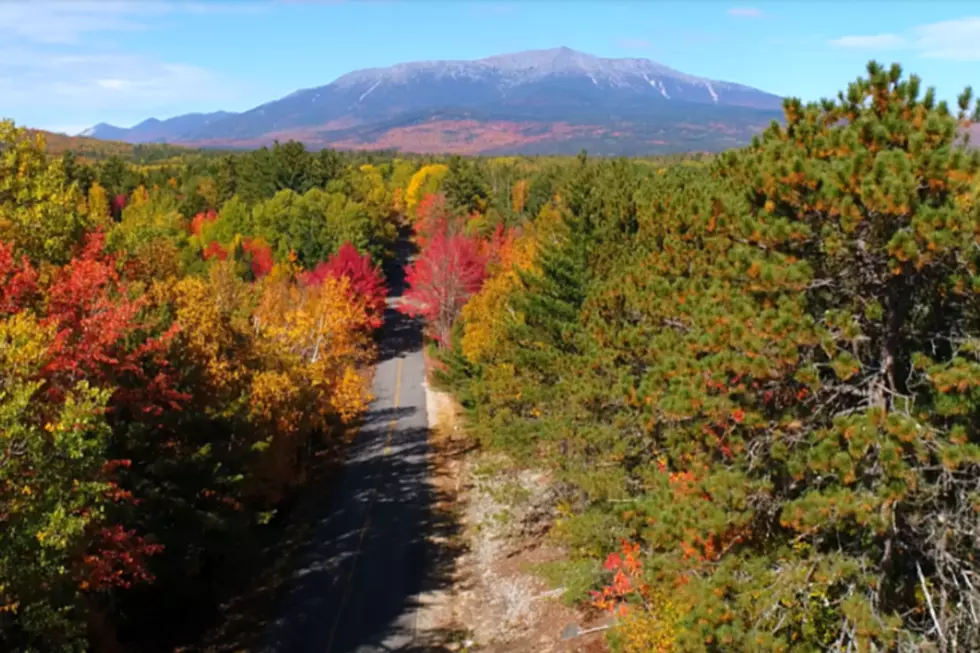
x,y
497,603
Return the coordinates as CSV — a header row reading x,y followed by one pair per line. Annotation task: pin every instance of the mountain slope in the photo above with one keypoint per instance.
x,y
152,130
554,101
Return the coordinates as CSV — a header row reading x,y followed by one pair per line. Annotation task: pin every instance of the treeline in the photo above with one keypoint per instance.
x,y
179,342
167,376
756,381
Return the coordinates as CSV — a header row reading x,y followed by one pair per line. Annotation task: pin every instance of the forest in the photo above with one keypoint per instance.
x,y
755,377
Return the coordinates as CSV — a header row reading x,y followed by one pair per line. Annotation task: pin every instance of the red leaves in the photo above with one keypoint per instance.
x,y
198,221
449,270
119,560
214,250
260,256
119,202
627,578
96,322
367,282
433,217
255,250
18,283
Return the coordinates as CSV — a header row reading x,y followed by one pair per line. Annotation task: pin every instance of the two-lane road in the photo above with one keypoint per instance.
x,y
356,588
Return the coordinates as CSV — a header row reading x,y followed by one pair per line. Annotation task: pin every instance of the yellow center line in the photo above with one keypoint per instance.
x,y
367,520
394,403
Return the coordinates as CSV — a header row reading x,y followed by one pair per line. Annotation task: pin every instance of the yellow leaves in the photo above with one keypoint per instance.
x,y
98,205
203,313
350,397
519,195
24,345
140,196
317,332
273,399
38,207
486,314
426,180
312,323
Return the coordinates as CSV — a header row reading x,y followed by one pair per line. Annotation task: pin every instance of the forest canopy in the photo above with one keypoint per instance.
x,y
754,378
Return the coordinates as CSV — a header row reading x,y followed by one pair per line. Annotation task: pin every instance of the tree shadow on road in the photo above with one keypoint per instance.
x,y
354,585
358,586
362,546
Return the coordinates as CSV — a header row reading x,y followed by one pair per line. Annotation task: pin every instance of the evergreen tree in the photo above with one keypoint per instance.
x,y
465,187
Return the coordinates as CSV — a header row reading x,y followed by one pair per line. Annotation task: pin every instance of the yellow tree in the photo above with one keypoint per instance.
x,y
427,180
140,196
518,195
98,205
487,314
38,207
312,342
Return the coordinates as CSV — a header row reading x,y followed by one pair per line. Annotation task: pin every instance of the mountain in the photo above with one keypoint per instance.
x,y
535,102
156,131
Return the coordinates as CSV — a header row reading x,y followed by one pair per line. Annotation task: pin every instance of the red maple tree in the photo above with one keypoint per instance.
x,y
259,256
18,280
367,281
198,221
214,250
101,335
450,269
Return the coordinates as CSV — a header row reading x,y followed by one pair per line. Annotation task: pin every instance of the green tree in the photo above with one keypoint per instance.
x,y
465,186
291,167
51,492
39,208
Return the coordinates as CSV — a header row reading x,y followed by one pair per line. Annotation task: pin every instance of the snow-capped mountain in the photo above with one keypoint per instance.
x,y
534,101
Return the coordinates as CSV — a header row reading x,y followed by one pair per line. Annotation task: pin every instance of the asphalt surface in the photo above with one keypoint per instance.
x,y
355,590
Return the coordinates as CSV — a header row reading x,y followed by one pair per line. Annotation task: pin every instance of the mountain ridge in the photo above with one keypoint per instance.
x,y
616,105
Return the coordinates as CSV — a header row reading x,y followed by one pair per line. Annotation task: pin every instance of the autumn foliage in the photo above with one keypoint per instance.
x,y
154,410
449,270
751,377
366,282
759,372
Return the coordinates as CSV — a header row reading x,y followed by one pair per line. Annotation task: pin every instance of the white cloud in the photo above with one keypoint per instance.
x,y
872,41
58,21
56,55
954,40
113,84
745,12
958,40
29,78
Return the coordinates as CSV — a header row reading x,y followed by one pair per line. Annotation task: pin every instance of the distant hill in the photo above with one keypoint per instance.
x,y
554,101
97,149
156,131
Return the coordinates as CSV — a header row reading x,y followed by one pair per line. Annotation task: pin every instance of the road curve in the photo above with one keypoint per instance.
x,y
355,589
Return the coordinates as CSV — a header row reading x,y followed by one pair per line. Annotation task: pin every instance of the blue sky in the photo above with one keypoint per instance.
x,y
67,65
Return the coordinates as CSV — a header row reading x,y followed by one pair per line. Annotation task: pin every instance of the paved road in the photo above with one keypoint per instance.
x,y
355,590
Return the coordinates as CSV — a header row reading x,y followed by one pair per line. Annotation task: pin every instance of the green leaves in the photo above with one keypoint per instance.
x,y
765,372
39,208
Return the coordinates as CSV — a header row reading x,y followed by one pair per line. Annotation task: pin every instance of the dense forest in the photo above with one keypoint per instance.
x,y
754,376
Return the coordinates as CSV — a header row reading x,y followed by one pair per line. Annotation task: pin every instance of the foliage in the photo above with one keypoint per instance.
x,y
366,281
38,207
163,382
465,186
424,182
758,371
448,271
